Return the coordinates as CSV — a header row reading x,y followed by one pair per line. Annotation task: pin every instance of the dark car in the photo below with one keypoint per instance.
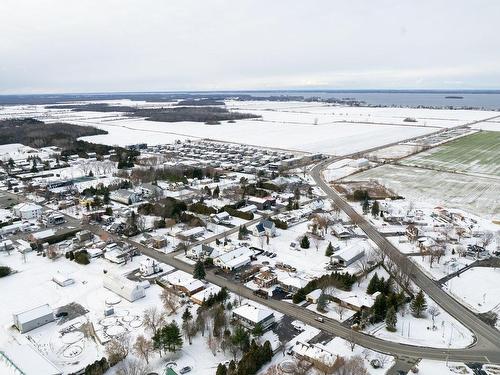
x,y
185,370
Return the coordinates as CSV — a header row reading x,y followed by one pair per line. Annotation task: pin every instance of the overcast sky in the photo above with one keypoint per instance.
x,y
161,45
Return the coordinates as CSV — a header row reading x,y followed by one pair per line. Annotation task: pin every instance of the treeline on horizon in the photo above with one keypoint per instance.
x,y
37,134
203,111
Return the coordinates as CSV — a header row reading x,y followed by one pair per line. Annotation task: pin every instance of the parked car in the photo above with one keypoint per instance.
x,y
185,370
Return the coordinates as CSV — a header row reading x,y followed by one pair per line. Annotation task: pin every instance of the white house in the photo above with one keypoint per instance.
x,y
128,289
125,196
348,256
149,267
191,234
234,259
27,211
250,316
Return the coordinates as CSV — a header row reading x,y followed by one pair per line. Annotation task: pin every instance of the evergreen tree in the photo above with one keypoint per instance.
x,y
379,308
296,194
258,330
168,338
366,206
105,197
329,250
240,339
375,208
266,352
373,284
418,305
304,242
187,316
199,271
391,319
216,192
322,302
221,370
392,301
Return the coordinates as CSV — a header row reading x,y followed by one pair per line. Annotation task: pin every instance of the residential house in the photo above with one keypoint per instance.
x,y
125,196
412,232
125,288
265,278
191,234
348,256
313,296
339,231
265,228
27,211
183,282
204,294
234,259
262,203
250,316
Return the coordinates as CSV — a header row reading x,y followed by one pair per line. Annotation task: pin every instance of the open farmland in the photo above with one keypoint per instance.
x,y
478,195
308,127
476,153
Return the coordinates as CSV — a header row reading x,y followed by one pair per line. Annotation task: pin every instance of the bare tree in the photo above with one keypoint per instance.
x,y
118,348
133,367
143,348
486,238
350,340
322,223
383,359
141,223
353,366
434,312
272,370
212,343
170,300
153,319
262,241
316,240
340,310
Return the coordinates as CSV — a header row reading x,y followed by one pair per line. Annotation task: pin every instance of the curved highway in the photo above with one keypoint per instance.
x,y
487,343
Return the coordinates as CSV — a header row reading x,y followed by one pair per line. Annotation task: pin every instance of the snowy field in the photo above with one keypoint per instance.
x,y
447,333
308,127
339,169
394,152
429,367
464,288
478,195
338,139
492,125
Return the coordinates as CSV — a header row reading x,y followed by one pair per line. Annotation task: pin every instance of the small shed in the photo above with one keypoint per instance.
x,y
62,279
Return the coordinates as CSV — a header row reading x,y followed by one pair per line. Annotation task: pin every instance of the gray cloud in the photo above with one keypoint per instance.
x,y
125,45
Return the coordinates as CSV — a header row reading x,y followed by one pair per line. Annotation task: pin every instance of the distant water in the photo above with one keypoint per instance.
x,y
484,99
476,99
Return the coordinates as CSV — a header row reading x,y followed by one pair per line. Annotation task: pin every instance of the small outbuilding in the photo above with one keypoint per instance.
x,y
28,320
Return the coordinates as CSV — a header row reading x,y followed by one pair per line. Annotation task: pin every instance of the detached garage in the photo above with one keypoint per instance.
x,y
27,320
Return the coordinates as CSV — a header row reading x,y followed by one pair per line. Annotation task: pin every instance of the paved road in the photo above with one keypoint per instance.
x,y
404,352
487,338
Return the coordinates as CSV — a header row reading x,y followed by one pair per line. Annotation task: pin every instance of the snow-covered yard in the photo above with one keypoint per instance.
x,y
465,288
